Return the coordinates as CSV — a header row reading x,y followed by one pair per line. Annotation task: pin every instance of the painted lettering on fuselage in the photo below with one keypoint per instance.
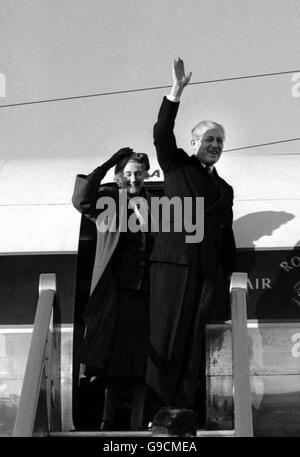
x,y
259,283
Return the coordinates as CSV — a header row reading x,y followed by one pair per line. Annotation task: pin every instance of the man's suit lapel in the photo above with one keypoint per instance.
x,y
208,185
218,182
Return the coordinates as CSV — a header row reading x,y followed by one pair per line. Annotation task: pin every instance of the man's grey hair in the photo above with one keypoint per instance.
x,y
202,126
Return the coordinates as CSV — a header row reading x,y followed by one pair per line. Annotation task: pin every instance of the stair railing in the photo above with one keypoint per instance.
x,y
243,424
33,414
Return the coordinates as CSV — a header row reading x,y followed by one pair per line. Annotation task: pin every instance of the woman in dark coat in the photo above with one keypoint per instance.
x,y
115,344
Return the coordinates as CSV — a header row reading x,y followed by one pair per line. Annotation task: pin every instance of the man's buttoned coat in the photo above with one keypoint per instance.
x,y
178,268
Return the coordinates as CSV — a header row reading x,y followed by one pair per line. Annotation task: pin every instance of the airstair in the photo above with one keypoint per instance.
x,y
38,413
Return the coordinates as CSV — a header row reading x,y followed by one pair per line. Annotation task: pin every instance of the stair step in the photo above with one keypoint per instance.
x,y
129,433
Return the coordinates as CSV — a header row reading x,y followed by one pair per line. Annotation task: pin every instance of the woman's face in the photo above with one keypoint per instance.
x,y
133,177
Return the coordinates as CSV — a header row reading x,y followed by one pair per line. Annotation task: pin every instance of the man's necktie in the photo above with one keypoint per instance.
x,y
211,173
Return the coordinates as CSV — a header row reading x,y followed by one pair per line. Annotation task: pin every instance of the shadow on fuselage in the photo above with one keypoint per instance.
x,y
253,226
275,266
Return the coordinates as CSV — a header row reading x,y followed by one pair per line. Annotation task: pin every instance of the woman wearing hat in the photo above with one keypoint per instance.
x,y
116,318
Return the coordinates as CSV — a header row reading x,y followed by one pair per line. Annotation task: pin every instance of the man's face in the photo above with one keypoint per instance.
x,y
209,146
133,177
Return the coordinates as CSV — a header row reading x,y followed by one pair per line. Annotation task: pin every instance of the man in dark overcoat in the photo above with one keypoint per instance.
x,y
185,276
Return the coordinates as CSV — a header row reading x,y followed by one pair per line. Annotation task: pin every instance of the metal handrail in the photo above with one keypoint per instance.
x,y
36,363
243,424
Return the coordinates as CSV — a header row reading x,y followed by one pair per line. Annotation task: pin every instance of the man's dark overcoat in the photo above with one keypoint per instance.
x,y
185,275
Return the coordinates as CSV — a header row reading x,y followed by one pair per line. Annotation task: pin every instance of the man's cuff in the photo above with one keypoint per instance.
x,y
172,98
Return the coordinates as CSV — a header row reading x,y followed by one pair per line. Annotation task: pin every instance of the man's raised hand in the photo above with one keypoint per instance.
x,y
180,79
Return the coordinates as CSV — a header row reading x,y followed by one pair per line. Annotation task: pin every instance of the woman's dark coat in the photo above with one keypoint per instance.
x,y
101,310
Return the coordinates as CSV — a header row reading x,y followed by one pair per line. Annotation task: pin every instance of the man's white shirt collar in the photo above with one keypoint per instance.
x,y
211,167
